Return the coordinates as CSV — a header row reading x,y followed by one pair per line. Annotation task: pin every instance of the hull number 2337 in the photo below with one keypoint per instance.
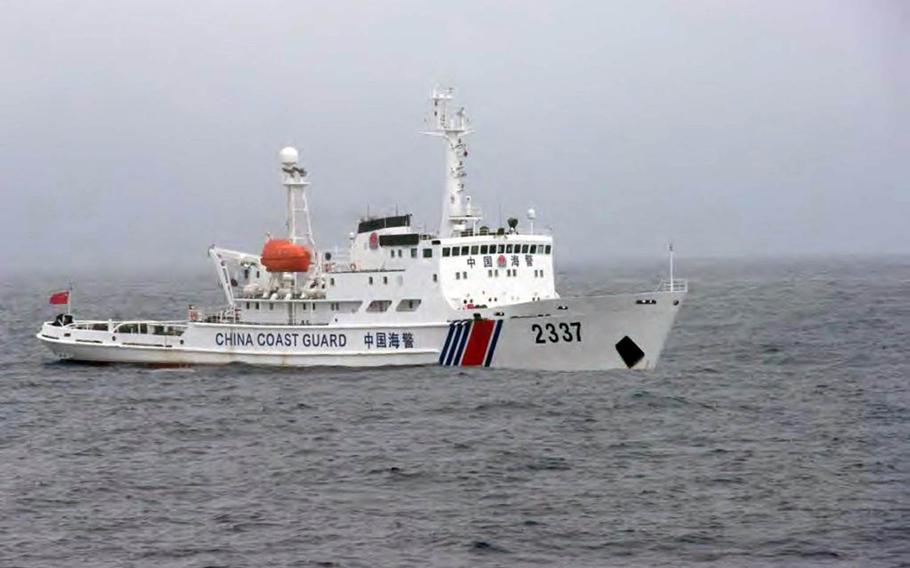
x,y
565,332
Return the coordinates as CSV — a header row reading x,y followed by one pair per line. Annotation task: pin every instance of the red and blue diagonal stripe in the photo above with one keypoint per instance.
x,y
470,343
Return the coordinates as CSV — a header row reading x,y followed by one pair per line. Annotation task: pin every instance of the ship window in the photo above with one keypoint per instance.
x,y
257,274
445,251
455,251
508,248
379,305
489,273
257,305
407,305
371,280
385,279
428,253
458,276
533,249
464,250
271,307
413,253
475,249
524,249
496,273
246,273
547,250
435,278
247,305
464,275
331,281
483,249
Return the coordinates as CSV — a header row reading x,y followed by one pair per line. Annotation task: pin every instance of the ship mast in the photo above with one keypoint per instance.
x,y
294,179
457,211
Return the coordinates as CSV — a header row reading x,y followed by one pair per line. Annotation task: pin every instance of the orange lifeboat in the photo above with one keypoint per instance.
x,y
280,255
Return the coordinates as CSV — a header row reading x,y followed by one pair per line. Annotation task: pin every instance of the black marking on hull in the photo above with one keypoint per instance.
x,y
630,352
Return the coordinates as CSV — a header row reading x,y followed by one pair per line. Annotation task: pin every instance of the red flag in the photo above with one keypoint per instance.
x,y
60,297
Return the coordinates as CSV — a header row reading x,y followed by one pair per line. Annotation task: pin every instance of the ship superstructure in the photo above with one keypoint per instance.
x,y
468,294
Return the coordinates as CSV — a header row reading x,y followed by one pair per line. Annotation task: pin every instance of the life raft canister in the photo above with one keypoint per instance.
x,y
281,255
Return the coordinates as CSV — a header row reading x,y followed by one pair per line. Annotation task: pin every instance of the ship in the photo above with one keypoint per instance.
x,y
467,295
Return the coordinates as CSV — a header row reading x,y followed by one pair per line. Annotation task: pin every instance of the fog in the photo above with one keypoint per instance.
x,y
138,133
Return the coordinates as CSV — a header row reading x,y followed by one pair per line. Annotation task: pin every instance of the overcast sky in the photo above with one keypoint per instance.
x,y
142,132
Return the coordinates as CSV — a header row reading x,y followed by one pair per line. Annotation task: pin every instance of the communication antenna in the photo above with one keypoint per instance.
x,y
670,252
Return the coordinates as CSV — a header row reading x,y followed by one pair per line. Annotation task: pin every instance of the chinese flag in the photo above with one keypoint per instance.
x,y
60,297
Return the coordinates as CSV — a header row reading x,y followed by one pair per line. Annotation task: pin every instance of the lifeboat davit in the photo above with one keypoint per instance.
x,y
281,255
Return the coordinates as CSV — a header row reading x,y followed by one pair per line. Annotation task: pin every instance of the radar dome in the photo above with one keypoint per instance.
x,y
289,155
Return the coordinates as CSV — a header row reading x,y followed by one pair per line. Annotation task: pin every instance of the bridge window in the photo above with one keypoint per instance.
x,y
533,249
475,249
445,251
428,253
455,251
483,249
547,250
524,249
508,249
464,251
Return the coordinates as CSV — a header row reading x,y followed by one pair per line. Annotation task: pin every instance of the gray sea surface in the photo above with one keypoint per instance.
x,y
774,433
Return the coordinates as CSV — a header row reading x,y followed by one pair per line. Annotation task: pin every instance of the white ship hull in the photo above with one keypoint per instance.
x,y
623,331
